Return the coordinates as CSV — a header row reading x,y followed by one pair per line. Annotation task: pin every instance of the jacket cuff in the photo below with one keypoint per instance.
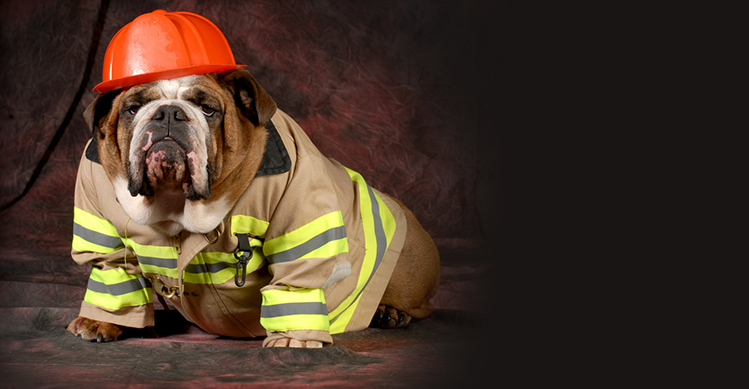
x,y
304,335
136,317
294,309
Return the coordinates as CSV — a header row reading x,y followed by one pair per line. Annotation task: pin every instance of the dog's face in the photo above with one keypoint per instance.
x,y
171,147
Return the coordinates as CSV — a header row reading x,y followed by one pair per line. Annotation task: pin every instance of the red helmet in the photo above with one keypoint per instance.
x,y
162,45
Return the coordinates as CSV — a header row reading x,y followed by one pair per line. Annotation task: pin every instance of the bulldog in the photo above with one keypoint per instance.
x,y
200,189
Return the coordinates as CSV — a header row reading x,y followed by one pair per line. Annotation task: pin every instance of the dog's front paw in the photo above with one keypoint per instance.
x,y
293,343
88,329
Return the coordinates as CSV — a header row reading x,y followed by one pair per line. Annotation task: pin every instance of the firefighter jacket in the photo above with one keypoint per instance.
x,y
323,245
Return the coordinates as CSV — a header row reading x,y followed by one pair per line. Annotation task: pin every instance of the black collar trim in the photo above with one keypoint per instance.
x,y
92,151
275,160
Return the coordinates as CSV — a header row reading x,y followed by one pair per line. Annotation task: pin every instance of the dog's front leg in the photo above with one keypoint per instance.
x,y
294,339
293,343
88,329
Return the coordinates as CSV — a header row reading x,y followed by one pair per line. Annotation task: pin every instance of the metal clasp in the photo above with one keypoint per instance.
x,y
243,259
163,290
212,240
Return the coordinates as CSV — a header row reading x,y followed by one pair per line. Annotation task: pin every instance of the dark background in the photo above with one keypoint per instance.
x,y
404,92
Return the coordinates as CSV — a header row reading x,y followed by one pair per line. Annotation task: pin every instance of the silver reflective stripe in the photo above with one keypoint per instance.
x,y
119,288
94,237
382,242
381,245
314,243
169,263
208,267
314,308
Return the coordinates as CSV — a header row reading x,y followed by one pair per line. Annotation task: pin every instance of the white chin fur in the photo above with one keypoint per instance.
x,y
195,217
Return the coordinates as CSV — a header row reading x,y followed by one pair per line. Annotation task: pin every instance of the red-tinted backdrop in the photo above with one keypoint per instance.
x,y
392,89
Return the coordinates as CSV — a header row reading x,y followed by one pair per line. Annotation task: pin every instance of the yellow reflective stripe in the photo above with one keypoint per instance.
x,y
294,310
292,295
318,236
342,314
387,219
217,268
301,322
93,222
303,233
241,224
379,226
114,289
330,249
94,234
155,259
81,245
207,267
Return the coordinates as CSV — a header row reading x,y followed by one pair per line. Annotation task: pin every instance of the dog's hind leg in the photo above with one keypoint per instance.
x,y
414,280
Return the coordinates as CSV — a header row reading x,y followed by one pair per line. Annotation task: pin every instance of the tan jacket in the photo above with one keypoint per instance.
x,y
324,245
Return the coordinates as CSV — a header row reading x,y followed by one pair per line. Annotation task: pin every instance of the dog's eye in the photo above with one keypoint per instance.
x,y
133,110
207,111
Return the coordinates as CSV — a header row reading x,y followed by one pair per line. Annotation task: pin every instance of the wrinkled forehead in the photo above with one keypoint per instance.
x,y
191,88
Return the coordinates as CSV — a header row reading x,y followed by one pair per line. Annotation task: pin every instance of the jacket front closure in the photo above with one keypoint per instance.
x,y
167,275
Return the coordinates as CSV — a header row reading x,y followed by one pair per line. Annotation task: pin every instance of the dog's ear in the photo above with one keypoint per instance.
x,y
253,101
99,110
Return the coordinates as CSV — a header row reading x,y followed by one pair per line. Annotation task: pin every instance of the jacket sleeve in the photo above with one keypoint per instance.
x,y
307,250
116,291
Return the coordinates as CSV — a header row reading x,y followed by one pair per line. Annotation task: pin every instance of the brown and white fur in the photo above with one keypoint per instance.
x,y
172,149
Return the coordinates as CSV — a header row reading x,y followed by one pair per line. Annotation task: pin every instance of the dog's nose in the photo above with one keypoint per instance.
x,y
169,112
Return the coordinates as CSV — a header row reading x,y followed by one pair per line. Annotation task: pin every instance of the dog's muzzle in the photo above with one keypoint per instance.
x,y
164,159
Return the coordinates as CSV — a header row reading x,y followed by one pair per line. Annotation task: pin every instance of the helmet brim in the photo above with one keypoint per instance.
x,y
138,79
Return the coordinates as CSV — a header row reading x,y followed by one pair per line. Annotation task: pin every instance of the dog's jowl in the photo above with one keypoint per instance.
x,y
195,186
